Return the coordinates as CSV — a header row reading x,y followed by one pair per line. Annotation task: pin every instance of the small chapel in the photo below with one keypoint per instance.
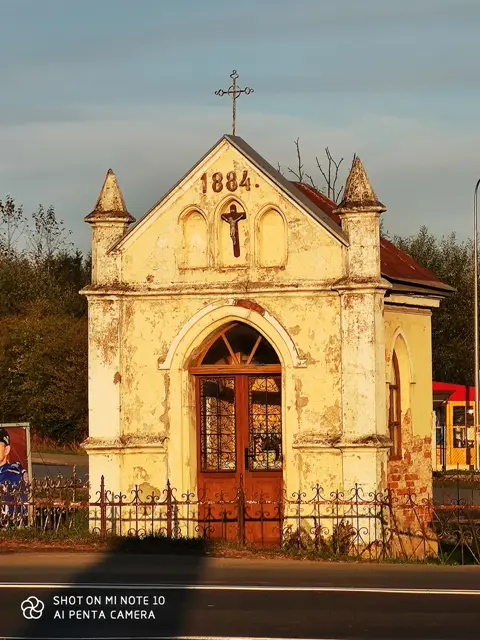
x,y
249,330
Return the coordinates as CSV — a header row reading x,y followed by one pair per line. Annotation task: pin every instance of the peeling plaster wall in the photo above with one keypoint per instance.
x,y
313,409
412,327
312,398
104,331
147,469
150,326
364,392
364,250
312,393
105,265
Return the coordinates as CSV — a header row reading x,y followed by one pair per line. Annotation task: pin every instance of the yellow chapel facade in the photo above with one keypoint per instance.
x,y
248,330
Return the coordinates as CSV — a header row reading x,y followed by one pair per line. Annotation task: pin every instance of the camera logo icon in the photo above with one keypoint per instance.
x,y
32,608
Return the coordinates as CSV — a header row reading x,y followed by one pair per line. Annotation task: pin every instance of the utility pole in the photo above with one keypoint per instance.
x,y
475,259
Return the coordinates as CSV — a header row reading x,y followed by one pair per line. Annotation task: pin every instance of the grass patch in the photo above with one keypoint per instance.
x,y
65,452
26,536
44,444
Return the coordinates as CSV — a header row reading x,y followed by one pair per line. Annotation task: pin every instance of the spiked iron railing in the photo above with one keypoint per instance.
x,y
339,524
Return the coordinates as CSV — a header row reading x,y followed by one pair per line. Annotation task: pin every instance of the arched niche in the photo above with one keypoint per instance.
x,y
271,239
194,240
399,399
403,371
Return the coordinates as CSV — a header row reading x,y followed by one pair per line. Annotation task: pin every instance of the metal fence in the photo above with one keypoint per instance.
x,y
339,524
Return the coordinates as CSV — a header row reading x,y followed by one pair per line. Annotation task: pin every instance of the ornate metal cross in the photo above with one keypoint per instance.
x,y
235,92
233,218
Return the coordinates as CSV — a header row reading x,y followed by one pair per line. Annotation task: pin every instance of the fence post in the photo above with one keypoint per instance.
x,y
103,507
74,478
30,503
169,510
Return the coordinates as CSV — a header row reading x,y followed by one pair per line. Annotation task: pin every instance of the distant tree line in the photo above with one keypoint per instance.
x,y
43,325
452,261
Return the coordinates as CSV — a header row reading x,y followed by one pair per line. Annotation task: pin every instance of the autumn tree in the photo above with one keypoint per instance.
x,y
43,373
43,328
451,260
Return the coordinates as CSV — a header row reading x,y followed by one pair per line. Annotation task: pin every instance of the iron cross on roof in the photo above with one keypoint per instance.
x,y
235,93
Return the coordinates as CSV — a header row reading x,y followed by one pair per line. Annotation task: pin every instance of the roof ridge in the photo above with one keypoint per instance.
x,y
395,263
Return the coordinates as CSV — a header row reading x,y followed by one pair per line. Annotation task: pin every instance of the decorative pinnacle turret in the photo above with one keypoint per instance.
x,y
359,195
110,204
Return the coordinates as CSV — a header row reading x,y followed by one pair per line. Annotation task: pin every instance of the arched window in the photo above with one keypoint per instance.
x,y
238,345
395,412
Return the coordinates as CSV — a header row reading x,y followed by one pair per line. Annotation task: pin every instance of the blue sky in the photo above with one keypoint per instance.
x,y
130,85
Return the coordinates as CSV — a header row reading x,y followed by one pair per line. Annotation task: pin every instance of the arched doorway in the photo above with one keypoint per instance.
x,y
239,433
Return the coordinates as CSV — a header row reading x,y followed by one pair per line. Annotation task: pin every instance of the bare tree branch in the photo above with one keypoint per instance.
x,y
299,173
332,177
315,186
12,224
330,174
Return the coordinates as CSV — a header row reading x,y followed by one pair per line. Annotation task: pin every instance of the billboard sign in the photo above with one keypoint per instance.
x,y
19,433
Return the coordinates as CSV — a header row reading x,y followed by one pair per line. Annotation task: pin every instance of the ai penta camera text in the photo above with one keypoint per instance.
x,y
107,607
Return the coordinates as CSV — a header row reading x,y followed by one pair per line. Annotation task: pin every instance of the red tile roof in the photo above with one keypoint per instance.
x,y
395,264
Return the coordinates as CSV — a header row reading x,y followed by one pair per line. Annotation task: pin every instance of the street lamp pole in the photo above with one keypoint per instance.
x,y
475,258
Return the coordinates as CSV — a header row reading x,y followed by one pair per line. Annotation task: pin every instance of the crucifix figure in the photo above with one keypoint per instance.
x,y
233,218
235,92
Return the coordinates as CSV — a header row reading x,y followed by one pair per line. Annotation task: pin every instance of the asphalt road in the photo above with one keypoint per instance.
x,y
221,598
65,470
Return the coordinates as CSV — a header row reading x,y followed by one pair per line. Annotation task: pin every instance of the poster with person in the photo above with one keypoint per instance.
x,y
14,462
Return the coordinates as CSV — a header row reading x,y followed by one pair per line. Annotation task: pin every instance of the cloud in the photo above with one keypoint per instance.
x,y
76,52
423,173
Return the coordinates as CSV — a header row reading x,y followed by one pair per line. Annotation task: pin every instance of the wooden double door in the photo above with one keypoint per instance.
x,y
240,459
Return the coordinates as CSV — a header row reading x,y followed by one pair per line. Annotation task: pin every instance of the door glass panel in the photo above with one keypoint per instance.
x,y
217,424
264,423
